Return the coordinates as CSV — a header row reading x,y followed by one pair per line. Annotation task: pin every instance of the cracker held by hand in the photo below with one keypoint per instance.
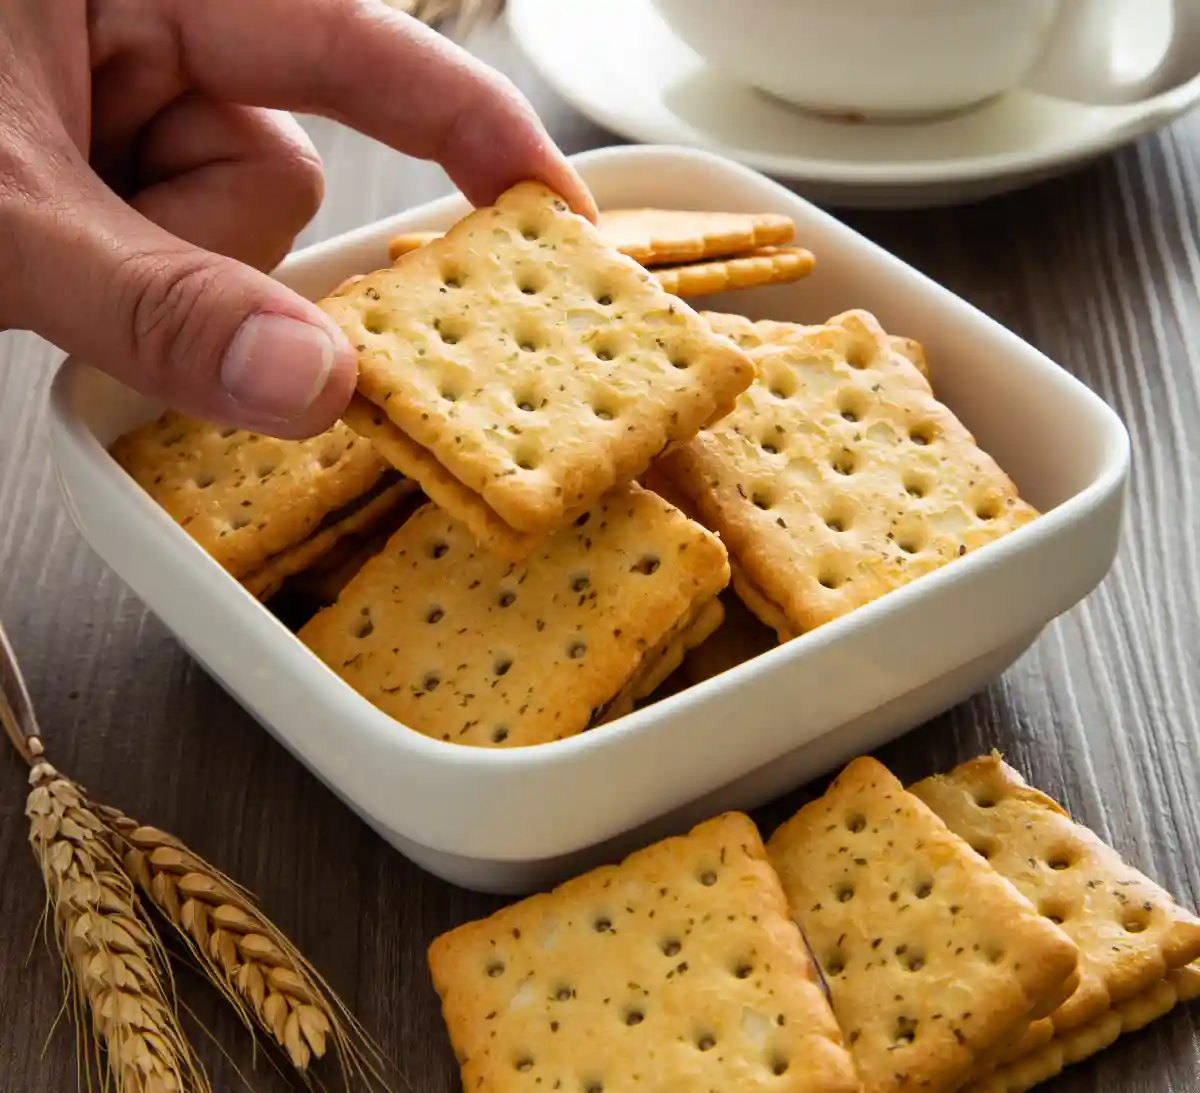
x,y
676,970
1131,934
839,477
933,960
532,363
464,647
262,508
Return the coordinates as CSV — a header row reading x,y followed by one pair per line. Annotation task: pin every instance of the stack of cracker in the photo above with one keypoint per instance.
x,y
517,376
264,509
838,476
878,943
689,253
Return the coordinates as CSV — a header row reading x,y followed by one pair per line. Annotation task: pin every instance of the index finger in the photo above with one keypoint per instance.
x,y
383,73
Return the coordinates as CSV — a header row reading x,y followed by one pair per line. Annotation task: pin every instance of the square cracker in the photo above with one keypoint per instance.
x,y
839,477
755,335
536,365
676,970
933,960
244,497
462,646
1130,932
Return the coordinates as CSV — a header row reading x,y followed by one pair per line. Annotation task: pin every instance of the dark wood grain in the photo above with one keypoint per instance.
x,y
1100,270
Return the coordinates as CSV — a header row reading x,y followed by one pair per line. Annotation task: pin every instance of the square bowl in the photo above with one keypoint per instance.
x,y
513,820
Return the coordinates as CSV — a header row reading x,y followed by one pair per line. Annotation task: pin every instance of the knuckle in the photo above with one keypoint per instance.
x,y
173,303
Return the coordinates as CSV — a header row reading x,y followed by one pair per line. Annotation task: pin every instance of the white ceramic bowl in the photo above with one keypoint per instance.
x,y
509,821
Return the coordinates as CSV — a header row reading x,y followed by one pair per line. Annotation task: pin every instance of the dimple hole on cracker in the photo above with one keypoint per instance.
x,y
499,735
985,849
858,355
576,650
707,877
265,471
506,598
1137,920
495,969
646,565
779,1066
916,484
203,481
844,893
782,384
633,1017
923,889
502,666
830,578
364,629
434,614
762,499
523,1064
834,966
438,549
671,946
844,461
604,351
743,969
905,1031
706,1042
1061,859
856,823
922,433
988,510
852,405
603,413
224,434
1055,911
375,322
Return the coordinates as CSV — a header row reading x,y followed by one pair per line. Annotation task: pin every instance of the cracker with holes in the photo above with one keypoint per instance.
x,y
463,646
839,477
933,960
758,337
263,508
524,367
1130,932
676,970
764,266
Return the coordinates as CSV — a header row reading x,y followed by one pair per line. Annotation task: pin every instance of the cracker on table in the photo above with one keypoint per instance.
x,y
932,958
763,266
360,518
1077,1044
539,367
676,970
839,477
242,496
1130,932
657,236
462,646
755,335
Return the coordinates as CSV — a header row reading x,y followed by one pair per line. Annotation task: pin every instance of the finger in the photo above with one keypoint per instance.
x,y
385,74
206,334
239,181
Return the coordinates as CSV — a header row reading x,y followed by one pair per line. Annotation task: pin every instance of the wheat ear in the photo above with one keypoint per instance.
x,y
261,973
113,960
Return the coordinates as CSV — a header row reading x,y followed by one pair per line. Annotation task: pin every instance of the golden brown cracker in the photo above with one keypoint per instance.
x,y
838,477
764,266
462,646
535,364
1130,932
932,958
677,969
242,496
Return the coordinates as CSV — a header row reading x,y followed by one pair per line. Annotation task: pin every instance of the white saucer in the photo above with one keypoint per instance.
x,y
617,62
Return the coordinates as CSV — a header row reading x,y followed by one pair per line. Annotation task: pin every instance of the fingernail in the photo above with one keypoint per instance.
x,y
277,366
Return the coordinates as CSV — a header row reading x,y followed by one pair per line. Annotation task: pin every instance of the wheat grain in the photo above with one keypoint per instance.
x,y
113,960
251,961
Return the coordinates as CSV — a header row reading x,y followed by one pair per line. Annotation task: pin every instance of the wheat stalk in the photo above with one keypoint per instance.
x,y
113,960
94,860
256,967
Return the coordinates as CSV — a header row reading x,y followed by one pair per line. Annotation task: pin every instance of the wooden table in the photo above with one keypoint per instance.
x,y
1099,270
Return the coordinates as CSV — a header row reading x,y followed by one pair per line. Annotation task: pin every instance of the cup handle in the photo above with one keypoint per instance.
x,y
1078,62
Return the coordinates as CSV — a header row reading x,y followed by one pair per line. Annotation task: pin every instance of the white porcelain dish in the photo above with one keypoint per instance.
x,y
619,64
513,820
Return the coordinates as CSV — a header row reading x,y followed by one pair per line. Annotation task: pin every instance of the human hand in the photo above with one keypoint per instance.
x,y
148,174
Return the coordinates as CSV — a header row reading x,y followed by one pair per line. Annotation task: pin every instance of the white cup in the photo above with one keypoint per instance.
x,y
913,58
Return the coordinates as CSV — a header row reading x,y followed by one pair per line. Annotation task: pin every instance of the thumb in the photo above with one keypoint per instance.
x,y
205,334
